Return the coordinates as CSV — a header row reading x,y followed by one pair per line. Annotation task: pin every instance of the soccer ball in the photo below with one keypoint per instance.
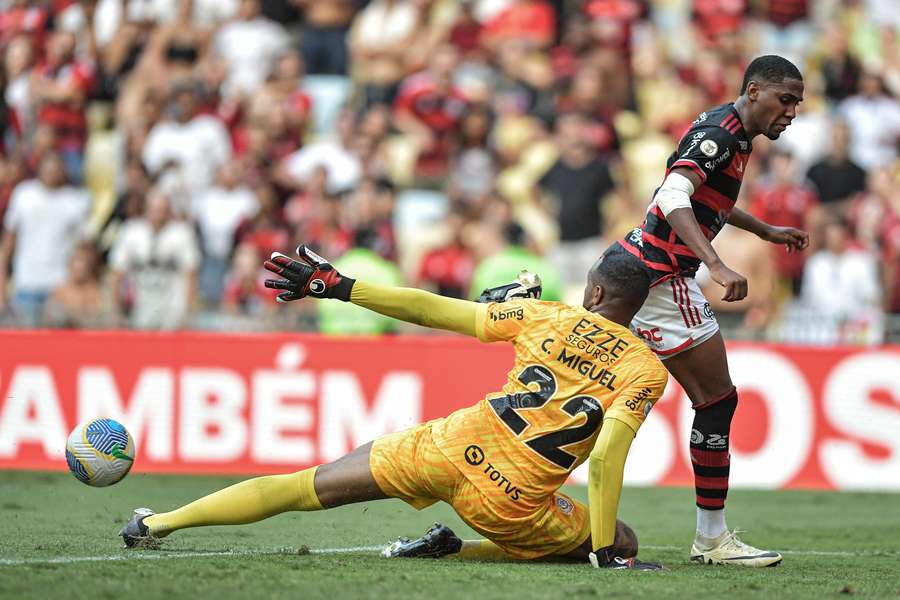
x,y
100,452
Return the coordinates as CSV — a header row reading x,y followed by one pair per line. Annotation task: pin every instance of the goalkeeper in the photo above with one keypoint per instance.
x,y
581,386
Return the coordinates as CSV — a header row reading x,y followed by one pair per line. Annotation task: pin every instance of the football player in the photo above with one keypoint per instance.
x,y
581,386
696,200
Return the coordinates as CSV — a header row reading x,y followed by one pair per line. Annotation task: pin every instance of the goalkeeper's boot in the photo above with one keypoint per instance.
x,y
437,542
727,549
136,534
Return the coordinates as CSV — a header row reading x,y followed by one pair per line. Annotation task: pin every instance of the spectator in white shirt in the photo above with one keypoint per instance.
x,y
874,119
44,220
841,285
249,46
381,38
218,212
208,13
194,144
159,256
342,165
110,14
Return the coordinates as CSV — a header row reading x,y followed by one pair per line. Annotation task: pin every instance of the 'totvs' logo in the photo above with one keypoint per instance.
x,y
474,455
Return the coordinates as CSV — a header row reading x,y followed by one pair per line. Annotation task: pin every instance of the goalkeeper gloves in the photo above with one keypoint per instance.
x,y
313,277
526,285
606,558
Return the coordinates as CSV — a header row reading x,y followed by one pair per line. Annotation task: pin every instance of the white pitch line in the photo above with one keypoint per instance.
x,y
801,552
347,550
64,560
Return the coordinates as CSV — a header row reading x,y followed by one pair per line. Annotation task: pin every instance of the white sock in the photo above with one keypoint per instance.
x,y
711,523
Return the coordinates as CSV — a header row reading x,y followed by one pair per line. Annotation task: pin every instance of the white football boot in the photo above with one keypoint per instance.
x,y
727,549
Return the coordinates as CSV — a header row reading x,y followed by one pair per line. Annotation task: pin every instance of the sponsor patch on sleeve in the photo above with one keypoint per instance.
x,y
709,147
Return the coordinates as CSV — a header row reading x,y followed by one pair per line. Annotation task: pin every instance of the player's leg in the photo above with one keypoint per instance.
x,y
626,545
703,373
560,533
688,340
440,542
483,549
348,480
344,481
470,505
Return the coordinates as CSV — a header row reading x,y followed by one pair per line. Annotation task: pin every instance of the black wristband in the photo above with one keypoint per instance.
x,y
341,291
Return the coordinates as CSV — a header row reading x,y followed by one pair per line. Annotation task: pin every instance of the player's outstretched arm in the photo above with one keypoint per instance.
x,y
795,239
606,469
316,277
419,307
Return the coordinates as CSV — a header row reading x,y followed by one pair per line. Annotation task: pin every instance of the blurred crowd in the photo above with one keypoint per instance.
x,y
153,152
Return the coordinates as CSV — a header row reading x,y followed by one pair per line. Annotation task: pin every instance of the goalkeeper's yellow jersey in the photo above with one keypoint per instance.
x,y
573,369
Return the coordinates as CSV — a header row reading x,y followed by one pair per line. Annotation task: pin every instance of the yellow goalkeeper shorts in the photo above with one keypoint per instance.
x,y
409,466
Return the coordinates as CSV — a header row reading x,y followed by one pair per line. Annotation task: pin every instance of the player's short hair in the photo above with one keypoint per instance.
x,y
622,277
772,68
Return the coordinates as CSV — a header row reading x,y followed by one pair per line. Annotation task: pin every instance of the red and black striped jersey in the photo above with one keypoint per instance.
x,y
717,149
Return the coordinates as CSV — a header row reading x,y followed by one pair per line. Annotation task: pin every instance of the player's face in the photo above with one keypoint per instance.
x,y
775,105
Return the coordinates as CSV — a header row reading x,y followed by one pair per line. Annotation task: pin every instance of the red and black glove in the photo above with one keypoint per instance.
x,y
606,558
313,277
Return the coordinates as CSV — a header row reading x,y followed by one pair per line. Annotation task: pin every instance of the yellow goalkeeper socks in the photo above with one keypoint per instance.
x,y
245,502
480,550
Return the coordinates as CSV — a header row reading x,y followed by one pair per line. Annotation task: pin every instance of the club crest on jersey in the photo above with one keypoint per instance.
x,y
564,505
709,147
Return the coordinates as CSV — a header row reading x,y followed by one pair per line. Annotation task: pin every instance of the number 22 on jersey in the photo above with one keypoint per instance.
x,y
512,410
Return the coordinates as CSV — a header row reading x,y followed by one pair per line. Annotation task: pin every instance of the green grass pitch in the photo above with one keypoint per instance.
x,y
58,540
